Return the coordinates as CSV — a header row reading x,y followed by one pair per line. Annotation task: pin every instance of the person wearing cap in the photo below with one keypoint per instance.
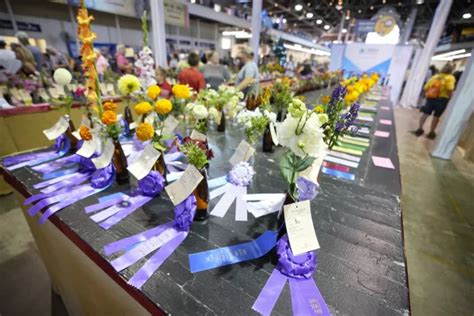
x,y
37,55
248,77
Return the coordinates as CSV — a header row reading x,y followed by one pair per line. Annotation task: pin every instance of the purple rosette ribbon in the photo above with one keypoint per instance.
x,y
232,187
307,190
61,148
298,271
111,211
59,193
162,241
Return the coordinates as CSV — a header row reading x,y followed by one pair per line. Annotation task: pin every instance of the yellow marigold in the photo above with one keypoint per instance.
x,y
110,106
163,106
325,99
128,84
153,92
351,97
145,131
319,109
109,117
181,91
143,108
85,133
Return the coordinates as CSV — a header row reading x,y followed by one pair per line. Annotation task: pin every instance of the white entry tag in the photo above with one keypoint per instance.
x,y
150,118
88,148
59,128
299,226
273,133
104,160
142,166
169,125
132,125
185,185
243,152
195,135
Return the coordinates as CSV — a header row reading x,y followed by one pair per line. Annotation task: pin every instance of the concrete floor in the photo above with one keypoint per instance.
x,y
437,202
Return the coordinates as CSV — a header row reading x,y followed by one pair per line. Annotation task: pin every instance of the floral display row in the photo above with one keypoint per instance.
x,y
109,147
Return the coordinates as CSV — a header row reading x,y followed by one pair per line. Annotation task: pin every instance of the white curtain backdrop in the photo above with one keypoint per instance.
x,y
419,69
460,109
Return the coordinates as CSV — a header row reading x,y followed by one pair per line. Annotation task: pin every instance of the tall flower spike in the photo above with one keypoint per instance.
x,y
88,56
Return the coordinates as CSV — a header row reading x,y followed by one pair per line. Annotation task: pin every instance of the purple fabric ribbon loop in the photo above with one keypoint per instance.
x,y
184,213
57,164
307,190
152,184
103,177
298,270
86,165
298,267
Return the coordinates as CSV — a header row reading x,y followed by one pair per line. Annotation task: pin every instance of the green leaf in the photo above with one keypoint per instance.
x,y
304,163
158,146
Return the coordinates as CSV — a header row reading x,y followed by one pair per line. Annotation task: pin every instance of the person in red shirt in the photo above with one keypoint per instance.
x,y
162,82
192,76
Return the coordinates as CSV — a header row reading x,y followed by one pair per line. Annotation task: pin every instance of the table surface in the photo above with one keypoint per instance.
x,y
361,265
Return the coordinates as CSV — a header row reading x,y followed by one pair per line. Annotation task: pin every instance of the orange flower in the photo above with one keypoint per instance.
x,y
110,106
85,133
109,117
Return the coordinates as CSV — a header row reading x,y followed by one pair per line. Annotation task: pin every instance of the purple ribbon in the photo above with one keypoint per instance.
x,y
114,210
59,195
298,270
57,164
166,238
307,190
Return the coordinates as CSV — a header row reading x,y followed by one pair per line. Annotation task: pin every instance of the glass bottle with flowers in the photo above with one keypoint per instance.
x,y
302,133
128,86
197,115
199,155
281,95
256,123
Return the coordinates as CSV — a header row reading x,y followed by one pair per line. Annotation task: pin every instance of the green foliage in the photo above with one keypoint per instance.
x,y
113,131
145,28
291,165
196,156
258,125
201,126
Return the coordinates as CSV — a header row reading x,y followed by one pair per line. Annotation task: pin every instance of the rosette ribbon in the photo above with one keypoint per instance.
x,y
298,271
234,187
113,208
61,147
163,240
61,192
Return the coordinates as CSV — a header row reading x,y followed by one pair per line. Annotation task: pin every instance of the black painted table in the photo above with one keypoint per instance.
x,y
361,264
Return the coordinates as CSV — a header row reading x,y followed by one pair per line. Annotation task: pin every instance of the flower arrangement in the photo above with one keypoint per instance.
x,y
339,118
180,95
255,122
145,64
282,94
302,133
197,152
197,113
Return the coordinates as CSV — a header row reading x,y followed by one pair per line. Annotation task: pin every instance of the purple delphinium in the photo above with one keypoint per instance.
x,y
337,96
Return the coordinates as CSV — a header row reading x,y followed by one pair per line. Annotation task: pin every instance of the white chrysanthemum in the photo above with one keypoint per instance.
x,y
213,113
200,111
310,141
62,76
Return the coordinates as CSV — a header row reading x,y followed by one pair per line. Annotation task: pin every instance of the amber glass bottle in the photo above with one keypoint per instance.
x,y
202,198
160,166
267,140
221,126
72,139
120,163
127,115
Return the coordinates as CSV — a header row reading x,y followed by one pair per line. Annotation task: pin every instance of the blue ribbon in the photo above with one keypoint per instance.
x,y
59,173
219,257
338,174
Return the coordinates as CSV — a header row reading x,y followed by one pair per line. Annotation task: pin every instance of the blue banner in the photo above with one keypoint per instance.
x,y
219,257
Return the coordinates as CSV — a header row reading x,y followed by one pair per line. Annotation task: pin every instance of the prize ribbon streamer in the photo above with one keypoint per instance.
x,y
163,240
114,209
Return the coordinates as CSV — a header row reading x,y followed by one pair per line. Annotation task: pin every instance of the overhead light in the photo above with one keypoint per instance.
x,y
384,1
309,15
371,7
399,4
193,1
319,21
344,31
448,54
466,16
420,1
284,20
243,35
327,27
276,5
360,11
298,7
450,58
294,24
217,7
237,34
313,51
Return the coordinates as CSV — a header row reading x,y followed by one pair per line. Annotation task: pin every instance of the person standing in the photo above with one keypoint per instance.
x,y
290,67
438,91
101,64
37,55
160,76
123,65
214,73
192,76
248,77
